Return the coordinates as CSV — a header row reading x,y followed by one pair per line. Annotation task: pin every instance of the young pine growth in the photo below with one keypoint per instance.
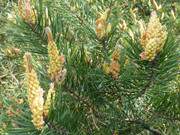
x,y
26,12
49,99
12,52
35,93
113,68
102,27
21,9
56,61
153,38
37,106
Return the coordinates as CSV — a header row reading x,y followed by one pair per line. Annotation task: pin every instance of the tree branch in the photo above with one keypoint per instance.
x,y
143,125
88,105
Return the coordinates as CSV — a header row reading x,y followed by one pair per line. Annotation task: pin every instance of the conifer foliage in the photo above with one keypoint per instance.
x,y
90,67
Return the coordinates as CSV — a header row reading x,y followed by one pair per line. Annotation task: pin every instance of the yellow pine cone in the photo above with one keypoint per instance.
x,y
26,12
113,68
149,52
35,93
21,9
49,99
30,13
116,54
152,38
32,18
102,27
37,109
55,61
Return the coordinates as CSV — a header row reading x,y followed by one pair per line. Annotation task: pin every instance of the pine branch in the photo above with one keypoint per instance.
x,y
142,124
150,80
147,127
40,35
91,110
56,128
161,115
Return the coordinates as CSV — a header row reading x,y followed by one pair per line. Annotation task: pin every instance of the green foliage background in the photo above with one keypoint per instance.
x,y
145,99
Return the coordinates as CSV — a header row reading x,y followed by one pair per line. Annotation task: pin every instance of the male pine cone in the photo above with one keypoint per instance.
x,y
35,93
26,12
49,99
113,68
102,27
56,62
152,38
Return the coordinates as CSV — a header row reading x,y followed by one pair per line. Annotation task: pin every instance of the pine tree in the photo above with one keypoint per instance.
x,y
93,67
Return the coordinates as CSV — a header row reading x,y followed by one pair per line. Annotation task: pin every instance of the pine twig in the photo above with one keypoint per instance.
x,y
147,127
59,130
150,81
87,104
143,125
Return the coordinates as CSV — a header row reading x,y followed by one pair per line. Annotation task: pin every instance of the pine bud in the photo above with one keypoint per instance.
x,y
150,51
20,9
113,68
49,99
116,54
12,52
153,38
26,12
33,16
102,27
28,9
55,61
37,109
30,13
35,93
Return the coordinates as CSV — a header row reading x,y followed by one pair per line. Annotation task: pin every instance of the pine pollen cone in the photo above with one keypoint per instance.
x,y
35,93
153,38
